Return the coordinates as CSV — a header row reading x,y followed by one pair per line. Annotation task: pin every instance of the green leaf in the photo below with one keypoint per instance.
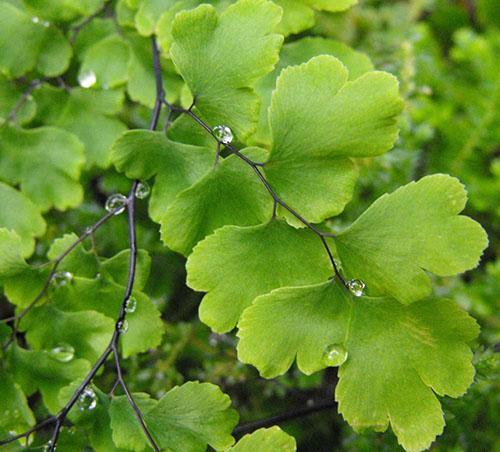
x,y
220,57
191,416
145,328
406,353
108,60
63,10
230,194
142,154
318,120
298,15
11,94
271,439
20,214
141,85
274,255
11,250
15,413
127,433
36,370
293,323
117,268
43,46
404,233
89,114
298,52
58,166
88,332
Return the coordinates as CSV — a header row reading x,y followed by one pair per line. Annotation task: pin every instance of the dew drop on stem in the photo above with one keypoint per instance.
x,y
356,287
130,305
224,134
142,190
122,326
61,279
87,400
116,204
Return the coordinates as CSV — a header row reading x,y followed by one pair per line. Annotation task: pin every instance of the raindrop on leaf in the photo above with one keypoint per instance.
x,y
87,400
356,287
122,326
142,190
334,355
87,79
130,305
61,279
63,353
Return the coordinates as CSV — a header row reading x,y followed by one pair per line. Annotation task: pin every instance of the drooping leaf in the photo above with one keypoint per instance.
x,y
346,118
265,440
15,413
55,183
220,57
88,332
275,255
36,370
394,357
404,233
20,214
230,194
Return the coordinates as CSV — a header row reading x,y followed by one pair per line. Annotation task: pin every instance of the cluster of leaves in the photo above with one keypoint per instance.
x,y
311,117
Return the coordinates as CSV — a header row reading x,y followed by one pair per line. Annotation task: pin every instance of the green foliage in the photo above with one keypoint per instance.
x,y
281,223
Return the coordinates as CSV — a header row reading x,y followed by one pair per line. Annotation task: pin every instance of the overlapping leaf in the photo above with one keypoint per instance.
x,y
142,154
89,114
398,356
58,166
186,419
416,228
43,46
298,15
220,57
235,264
319,119
230,194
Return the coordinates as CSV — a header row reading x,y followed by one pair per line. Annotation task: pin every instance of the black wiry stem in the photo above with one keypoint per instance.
x,y
113,346
280,418
256,166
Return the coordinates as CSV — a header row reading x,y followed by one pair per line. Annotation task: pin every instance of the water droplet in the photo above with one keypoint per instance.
x,y
87,79
87,400
223,134
63,353
48,447
130,305
142,190
116,203
122,327
61,279
35,20
356,287
334,355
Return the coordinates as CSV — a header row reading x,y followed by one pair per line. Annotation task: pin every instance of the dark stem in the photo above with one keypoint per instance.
x,y
289,415
112,347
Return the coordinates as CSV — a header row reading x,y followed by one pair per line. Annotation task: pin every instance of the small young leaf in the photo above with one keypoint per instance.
x,y
404,233
271,439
